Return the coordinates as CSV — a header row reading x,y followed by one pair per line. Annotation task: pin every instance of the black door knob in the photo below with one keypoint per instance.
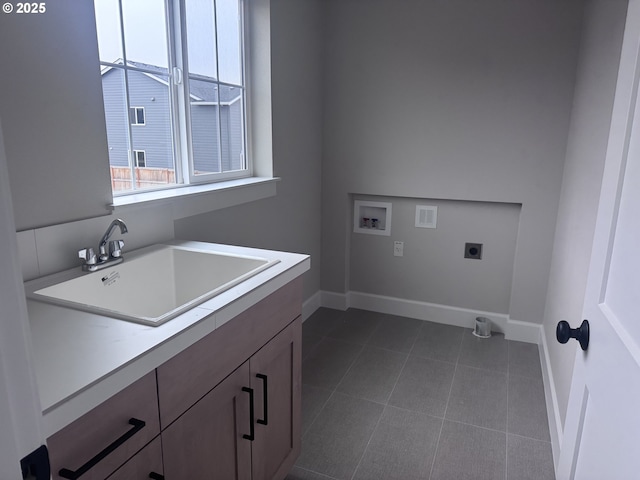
x,y
564,332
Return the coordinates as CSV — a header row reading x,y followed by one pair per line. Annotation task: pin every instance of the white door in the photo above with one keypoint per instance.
x,y
602,430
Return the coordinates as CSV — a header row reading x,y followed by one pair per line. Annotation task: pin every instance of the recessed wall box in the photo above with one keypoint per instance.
x,y
473,250
426,216
373,218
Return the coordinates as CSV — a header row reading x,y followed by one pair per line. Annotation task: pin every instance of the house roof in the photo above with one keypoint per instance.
x,y
201,88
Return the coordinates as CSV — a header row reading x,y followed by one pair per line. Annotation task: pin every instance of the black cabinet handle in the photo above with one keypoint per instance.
x,y
564,332
156,476
251,435
265,399
73,475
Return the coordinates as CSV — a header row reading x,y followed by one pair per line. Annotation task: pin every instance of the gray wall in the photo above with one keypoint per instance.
x,y
154,137
459,100
434,258
291,220
49,85
588,136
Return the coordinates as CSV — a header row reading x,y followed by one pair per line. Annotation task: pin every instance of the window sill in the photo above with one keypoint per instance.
x,y
189,200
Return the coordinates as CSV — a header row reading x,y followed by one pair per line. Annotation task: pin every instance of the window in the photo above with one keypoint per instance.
x,y
140,158
176,67
137,115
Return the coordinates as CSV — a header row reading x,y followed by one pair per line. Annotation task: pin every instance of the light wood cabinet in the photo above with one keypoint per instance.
x,y
145,464
247,427
277,366
188,376
207,441
226,408
95,445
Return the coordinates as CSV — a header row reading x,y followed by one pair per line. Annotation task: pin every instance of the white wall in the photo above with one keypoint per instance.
x,y
47,250
460,100
587,143
51,101
291,220
20,431
281,222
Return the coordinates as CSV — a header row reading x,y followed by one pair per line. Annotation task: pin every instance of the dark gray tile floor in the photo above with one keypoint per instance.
x,y
387,397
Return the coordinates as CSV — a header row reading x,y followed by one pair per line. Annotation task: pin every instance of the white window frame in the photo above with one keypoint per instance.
x,y
135,116
189,200
135,158
180,107
183,105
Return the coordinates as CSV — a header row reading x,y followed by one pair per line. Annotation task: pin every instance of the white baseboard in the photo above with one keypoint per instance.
x,y
337,301
461,317
551,399
311,304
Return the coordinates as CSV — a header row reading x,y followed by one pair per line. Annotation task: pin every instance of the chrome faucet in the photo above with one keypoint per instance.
x,y
110,252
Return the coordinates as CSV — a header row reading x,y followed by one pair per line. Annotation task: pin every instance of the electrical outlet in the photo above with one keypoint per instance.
x,y
473,250
398,249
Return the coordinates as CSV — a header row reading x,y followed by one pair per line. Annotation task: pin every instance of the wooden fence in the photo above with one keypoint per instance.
x,y
144,177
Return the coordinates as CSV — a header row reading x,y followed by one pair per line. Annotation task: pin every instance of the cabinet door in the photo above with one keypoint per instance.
x,y
207,441
145,464
188,376
277,366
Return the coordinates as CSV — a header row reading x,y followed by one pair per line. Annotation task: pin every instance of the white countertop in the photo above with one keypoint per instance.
x,y
82,359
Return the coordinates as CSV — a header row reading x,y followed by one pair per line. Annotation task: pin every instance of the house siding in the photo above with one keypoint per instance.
x,y
234,152
116,117
205,133
155,136
204,137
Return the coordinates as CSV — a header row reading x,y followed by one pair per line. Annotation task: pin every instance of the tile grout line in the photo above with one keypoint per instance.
x,y
316,473
506,433
385,406
353,362
335,388
478,426
444,415
315,418
333,391
368,443
529,438
406,360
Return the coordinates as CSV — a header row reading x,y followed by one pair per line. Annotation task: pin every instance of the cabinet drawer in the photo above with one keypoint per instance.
x,y
188,376
80,443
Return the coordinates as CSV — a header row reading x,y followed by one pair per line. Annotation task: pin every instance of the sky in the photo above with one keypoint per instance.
x,y
145,34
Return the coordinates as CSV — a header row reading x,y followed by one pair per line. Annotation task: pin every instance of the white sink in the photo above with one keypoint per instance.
x,y
155,285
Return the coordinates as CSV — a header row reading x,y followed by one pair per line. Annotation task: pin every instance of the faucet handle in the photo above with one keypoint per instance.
x,y
115,248
88,255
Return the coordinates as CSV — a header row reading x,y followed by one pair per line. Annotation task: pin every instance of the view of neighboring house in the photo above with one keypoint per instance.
x,y
216,136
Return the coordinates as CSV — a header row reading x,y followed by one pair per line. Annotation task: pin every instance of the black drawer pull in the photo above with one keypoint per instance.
x,y
73,475
156,476
265,399
251,435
